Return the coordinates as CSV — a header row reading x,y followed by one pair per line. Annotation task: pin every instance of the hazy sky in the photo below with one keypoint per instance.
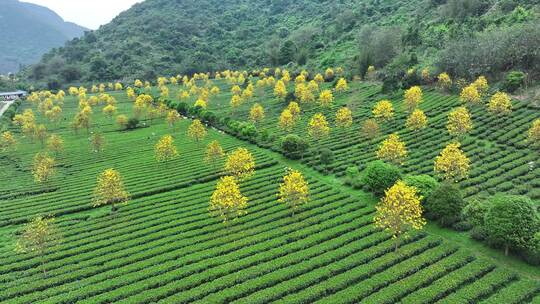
x,y
88,13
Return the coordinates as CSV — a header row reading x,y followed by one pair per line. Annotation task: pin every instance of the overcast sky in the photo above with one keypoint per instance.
x,y
88,13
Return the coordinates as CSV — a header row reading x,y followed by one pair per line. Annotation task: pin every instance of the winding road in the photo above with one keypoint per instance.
x,y
4,105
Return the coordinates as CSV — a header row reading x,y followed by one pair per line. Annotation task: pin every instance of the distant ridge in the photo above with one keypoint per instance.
x,y
30,31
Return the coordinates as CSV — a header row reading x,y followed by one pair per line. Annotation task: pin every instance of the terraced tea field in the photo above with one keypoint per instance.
x,y
501,160
164,247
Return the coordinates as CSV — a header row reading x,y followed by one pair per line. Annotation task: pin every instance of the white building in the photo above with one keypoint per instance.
x,y
8,96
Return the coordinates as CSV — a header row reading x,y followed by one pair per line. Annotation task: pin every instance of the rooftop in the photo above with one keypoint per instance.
x,y
13,93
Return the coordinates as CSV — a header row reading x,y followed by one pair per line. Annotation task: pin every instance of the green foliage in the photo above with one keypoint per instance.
x,y
379,176
475,211
425,184
353,177
132,123
516,48
159,37
294,146
511,222
445,204
326,157
513,81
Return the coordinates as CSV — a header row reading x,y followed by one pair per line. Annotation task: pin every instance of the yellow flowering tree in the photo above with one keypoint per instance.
x,y
481,85
240,163
227,201
318,127
172,118
54,114
109,110
370,128
165,149
214,153
38,237
196,130
40,133
392,150
256,113
452,164
98,142
202,104
214,90
399,211
294,190
7,141
459,122
307,94
122,121
370,73
43,167
110,190
329,73
383,110
470,95
444,81
287,120
413,97
341,85
326,98
236,101
280,90
500,104
236,90
417,120
319,78
73,91
294,108
344,118
533,135
55,144
425,75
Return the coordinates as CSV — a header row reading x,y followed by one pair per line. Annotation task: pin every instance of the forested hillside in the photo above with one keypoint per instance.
x,y
159,37
27,31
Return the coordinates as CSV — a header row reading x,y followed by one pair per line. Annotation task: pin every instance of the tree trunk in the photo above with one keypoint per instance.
x,y
505,250
396,244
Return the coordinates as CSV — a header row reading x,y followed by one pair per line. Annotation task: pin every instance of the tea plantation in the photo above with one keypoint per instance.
x,y
163,246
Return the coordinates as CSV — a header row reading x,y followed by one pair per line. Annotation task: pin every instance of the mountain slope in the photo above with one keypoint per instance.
x,y
30,30
169,37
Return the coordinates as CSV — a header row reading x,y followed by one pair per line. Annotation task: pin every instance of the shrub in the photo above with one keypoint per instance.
x,y
475,211
379,176
445,204
511,222
294,146
326,157
513,81
208,117
248,130
425,184
352,177
182,108
132,123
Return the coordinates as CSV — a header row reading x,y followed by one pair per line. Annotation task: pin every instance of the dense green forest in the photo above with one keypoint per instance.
x,y
163,37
